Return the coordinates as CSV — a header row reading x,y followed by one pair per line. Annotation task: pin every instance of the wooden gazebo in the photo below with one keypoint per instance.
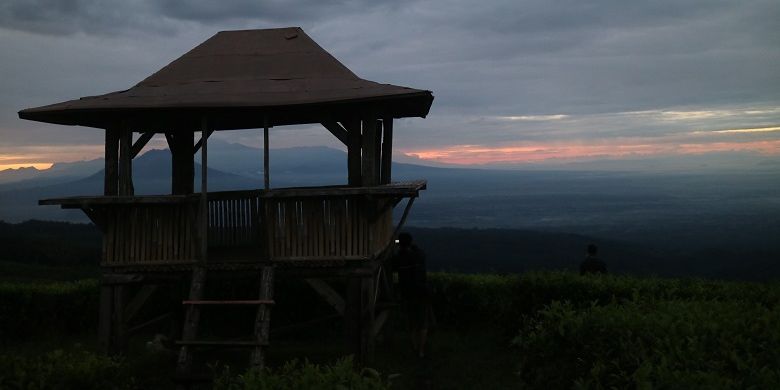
x,y
252,79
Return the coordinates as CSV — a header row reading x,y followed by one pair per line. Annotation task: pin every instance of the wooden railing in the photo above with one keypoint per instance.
x,y
323,223
148,234
234,219
349,227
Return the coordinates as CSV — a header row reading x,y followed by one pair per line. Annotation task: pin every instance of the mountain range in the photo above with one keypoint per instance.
x,y
687,218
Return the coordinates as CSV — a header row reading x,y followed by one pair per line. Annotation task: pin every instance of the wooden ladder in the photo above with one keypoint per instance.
x,y
192,319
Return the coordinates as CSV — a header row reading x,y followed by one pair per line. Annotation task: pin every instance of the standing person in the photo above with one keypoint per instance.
x,y
412,282
592,264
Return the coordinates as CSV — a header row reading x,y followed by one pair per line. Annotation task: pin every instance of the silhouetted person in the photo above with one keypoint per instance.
x,y
412,283
592,264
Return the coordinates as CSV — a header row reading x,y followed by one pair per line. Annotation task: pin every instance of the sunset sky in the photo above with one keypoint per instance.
x,y
515,82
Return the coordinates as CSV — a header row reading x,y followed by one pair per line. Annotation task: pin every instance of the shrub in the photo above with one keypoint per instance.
x,y
77,369
652,343
35,309
463,300
294,375
535,290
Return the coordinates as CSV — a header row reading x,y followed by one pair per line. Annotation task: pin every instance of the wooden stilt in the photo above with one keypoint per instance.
x,y
105,318
368,305
119,321
359,319
352,308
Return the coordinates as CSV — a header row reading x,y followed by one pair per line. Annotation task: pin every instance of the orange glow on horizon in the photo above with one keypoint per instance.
x,y
532,153
37,165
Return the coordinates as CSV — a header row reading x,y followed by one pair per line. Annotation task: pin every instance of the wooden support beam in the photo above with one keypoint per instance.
x,y
153,321
200,142
97,216
138,301
125,162
111,180
400,226
379,322
139,144
387,150
109,279
354,140
369,156
338,131
328,293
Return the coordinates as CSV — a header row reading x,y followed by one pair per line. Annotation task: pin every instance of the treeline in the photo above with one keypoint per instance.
x,y
46,243
50,243
515,251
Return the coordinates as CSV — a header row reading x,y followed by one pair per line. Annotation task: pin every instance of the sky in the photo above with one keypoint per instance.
x,y
515,82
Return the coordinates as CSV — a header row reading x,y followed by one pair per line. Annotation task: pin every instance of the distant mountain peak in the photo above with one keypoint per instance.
x,y
21,169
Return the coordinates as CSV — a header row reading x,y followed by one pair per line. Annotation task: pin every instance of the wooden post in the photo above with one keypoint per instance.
x,y
120,323
369,157
111,179
387,150
125,162
182,162
104,319
359,318
352,333
353,151
266,159
204,211
378,152
367,313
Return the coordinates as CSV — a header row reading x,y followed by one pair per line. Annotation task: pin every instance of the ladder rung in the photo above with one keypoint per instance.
x,y
246,302
222,343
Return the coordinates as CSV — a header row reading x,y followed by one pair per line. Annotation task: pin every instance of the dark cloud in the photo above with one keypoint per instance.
x,y
273,11
94,17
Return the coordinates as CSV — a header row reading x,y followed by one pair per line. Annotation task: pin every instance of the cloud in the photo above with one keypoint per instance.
x,y
68,17
754,130
503,72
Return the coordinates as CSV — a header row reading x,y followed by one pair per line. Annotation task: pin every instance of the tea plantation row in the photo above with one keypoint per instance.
x,y
566,331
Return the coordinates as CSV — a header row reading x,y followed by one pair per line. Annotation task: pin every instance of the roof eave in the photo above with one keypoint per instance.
x,y
415,104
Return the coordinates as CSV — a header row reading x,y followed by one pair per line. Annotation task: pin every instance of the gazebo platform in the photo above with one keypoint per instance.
x,y
303,227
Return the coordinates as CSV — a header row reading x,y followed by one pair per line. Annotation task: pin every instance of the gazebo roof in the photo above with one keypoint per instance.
x,y
236,79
